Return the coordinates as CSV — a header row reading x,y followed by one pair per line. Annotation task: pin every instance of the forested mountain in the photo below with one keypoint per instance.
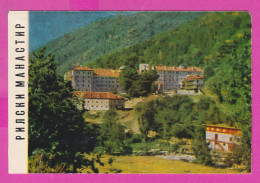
x,y
193,43
220,43
111,34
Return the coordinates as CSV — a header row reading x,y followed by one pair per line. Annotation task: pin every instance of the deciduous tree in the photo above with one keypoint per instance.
x,y
56,126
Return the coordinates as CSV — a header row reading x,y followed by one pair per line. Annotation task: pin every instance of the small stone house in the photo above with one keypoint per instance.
x,y
223,138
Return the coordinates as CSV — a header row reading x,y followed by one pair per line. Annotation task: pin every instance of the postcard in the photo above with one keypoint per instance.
x,y
129,92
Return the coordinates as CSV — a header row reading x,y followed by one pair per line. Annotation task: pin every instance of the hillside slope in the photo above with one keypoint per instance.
x,y
110,34
193,43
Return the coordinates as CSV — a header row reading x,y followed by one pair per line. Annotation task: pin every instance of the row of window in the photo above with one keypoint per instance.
x,y
216,129
178,72
108,78
83,77
168,80
82,85
113,86
77,81
92,106
97,102
172,80
83,72
106,81
184,76
87,82
178,77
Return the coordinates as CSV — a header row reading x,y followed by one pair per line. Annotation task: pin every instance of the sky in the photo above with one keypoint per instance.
x,y
48,25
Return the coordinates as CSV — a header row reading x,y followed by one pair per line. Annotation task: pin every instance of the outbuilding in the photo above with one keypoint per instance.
x,y
101,100
223,138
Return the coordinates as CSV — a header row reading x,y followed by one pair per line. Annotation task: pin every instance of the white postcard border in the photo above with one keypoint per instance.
x,y
18,53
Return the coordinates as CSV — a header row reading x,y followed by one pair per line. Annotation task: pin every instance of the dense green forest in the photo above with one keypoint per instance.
x,y
193,43
110,34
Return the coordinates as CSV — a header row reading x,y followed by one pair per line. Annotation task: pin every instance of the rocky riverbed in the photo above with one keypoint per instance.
x,y
188,158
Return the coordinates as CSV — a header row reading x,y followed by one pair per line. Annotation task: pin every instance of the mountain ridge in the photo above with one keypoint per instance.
x,y
108,35
193,43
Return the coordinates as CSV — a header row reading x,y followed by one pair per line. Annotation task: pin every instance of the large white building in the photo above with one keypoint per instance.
x,y
86,79
105,80
170,77
100,100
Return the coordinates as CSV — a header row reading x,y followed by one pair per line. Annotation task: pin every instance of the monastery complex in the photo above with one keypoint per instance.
x,y
170,77
94,85
106,80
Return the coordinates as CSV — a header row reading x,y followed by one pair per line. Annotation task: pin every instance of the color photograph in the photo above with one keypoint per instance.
x,y
138,92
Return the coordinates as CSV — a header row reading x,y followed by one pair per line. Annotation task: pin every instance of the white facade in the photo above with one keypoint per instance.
x,y
82,80
104,104
103,84
170,77
189,92
86,79
106,80
144,67
222,138
222,143
99,100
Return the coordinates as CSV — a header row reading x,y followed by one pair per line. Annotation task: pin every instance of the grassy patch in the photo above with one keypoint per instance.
x,y
148,146
152,164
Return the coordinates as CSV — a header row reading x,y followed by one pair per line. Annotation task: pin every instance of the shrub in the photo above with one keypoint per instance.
x,y
127,150
174,148
137,138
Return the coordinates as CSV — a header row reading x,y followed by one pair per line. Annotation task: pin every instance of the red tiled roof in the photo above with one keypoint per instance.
x,y
193,77
159,82
99,72
171,68
82,68
98,95
221,126
106,72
